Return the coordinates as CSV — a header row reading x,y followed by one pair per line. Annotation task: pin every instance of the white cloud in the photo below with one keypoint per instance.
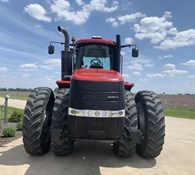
x,y
166,56
51,64
169,71
154,28
29,67
149,65
162,31
79,2
65,12
4,0
37,11
113,21
128,40
174,72
130,17
47,78
135,67
136,73
169,66
145,80
125,75
190,63
55,62
3,69
157,75
100,5
181,39
124,19
139,64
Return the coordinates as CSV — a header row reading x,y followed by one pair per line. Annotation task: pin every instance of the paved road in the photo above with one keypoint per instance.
x,y
92,158
14,103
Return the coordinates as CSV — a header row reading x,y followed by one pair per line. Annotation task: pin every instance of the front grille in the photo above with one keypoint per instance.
x,y
97,95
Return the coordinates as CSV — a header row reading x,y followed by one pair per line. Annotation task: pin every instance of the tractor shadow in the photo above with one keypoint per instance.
x,y
87,159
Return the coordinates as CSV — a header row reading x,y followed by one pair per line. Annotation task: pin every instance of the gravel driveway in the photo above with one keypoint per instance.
x,y
95,158
14,103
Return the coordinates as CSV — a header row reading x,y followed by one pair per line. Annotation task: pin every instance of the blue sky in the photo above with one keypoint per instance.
x,y
164,31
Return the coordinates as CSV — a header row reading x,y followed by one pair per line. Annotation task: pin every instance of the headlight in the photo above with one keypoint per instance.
x,y
89,113
96,113
104,113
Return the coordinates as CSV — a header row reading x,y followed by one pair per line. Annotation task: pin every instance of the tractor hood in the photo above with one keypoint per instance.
x,y
99,75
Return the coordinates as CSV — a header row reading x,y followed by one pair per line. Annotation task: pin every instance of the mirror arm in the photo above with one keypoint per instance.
x,y
129,45
61,43
56,42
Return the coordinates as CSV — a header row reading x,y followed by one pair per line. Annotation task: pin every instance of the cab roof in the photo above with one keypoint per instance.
x,y
96,40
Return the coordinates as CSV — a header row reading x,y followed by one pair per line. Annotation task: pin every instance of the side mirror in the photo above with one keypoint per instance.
x,y
51,49
135,52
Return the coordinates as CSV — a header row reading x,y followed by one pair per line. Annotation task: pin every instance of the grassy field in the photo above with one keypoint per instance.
x,y
182,106
15,95
181,113
18,97
10,111
184,102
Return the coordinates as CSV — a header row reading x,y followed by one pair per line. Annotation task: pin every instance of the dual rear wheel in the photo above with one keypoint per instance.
x,y
145,113
37,121
45,122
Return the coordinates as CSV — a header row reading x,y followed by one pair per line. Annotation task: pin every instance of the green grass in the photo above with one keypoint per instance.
x,y
16,97
180,113
10,111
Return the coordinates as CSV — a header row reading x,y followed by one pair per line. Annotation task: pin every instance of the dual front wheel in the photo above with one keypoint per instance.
x,y
144,113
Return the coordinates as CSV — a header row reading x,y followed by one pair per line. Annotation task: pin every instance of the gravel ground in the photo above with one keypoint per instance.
x,y
97,158
5,140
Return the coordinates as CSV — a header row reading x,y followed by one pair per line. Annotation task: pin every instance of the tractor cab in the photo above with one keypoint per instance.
x,y
100,53
95,53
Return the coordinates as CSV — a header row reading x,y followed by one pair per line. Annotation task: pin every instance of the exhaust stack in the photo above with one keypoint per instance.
x,y
66,45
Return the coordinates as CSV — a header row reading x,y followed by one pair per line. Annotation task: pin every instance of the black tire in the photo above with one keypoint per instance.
x,y
37,121
151,123
126,147
60,142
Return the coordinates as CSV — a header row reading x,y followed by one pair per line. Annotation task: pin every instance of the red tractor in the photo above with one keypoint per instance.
x,y
93,103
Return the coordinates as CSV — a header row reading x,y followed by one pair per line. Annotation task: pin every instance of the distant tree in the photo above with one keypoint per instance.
x,y
11,89
3,89
16,89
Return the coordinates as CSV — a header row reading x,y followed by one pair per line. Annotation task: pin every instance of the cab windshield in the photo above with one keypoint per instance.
x,y
95,56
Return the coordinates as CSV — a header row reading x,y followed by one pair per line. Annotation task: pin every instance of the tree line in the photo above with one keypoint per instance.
x,y
16,89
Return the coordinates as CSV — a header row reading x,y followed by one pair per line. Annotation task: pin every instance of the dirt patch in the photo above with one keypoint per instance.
x,y
5,140
186,102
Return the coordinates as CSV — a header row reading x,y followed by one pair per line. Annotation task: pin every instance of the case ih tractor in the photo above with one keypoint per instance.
x,y
93,103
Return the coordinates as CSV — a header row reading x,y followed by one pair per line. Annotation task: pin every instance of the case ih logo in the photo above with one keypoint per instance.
x,y
113,97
